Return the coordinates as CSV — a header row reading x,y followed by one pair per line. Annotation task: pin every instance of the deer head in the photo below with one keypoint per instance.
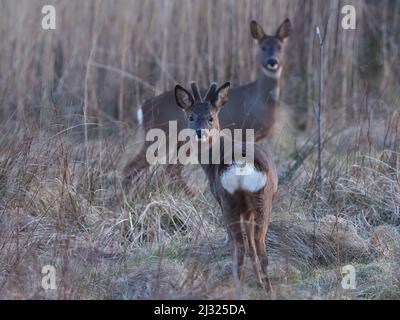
x,y
202,112
271,54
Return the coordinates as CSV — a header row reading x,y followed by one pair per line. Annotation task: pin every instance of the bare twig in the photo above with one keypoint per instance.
x,y
321,40
123,74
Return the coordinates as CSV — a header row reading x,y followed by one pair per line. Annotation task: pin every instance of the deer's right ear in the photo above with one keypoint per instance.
x,y
183,98
221,96
257,31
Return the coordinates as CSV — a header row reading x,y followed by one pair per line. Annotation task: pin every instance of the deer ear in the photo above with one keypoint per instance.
x,y
284,30
183,98
221,96
257,31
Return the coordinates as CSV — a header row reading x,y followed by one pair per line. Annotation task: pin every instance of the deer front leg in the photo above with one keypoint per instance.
x,y
135,166
174,172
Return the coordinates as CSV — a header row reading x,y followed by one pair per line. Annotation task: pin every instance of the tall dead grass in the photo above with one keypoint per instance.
x,y
109,57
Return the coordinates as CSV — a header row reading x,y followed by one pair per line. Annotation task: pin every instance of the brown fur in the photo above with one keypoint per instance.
x,y
249,107
254,208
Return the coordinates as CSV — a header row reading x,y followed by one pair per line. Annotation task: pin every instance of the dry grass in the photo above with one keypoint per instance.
x,y
61,199
155,242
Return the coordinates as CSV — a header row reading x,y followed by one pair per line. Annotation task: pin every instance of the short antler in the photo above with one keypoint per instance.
x,y
211,91
196,92
208,96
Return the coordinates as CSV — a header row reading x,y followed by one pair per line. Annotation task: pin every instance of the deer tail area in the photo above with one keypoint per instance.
x,y
139,115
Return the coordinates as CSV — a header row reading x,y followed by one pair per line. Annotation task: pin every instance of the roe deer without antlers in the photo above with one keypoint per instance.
x,y
249,196
251,106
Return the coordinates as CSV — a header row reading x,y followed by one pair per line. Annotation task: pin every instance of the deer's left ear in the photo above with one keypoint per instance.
x,y
183,98
284,30
221,96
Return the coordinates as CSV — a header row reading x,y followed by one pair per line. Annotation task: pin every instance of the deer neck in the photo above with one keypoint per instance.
x,y
265,98
268,85
220,143
209,152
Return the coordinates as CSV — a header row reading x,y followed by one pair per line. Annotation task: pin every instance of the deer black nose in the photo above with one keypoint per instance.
x,y
272,63
199,133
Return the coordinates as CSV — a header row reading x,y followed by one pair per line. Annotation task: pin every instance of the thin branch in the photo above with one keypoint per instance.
x,y
321,67
124,74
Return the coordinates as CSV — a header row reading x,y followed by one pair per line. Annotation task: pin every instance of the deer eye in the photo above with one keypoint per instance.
x,y
191,118
211,119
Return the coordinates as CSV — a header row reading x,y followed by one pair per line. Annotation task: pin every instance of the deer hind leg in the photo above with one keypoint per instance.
x,y
236,238
261,228
250,228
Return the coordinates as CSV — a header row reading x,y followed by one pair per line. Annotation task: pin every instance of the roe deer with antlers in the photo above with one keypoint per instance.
x,y
251,106
246,196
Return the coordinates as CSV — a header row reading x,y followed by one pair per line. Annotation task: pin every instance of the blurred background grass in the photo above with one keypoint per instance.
x,y
122,52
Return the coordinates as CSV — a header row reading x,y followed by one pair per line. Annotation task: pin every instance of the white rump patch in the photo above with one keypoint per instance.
x,y
139,115
243,177
272,74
